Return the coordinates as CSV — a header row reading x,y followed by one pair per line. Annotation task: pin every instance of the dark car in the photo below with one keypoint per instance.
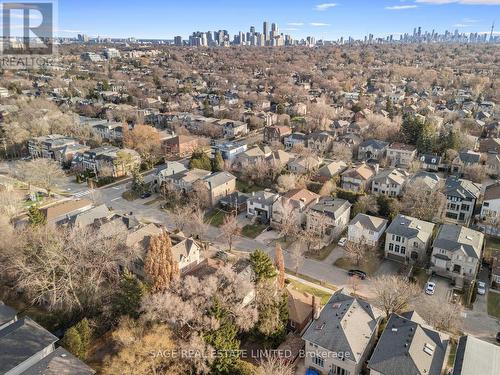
x,y
498,336
146,195
357,273
221,254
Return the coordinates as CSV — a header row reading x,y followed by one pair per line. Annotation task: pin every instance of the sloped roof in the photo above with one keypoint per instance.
x,y
65,208
462,188
409,347
346,324
59,362
475,357
368,222
454,237
88,217
6,313
392,175
410,227
299,304
492,191
363,172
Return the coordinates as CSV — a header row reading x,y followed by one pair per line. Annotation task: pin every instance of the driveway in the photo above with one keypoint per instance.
x,y
443,289
481,302
388,267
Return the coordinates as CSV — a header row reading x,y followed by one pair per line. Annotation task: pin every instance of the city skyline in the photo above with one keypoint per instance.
x,y
322,20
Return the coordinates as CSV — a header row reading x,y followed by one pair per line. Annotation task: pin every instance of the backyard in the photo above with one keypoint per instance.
x,y
322,295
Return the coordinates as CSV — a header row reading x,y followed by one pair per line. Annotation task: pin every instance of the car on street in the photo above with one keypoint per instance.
x,y
145,195
342,241
358,273
498,337
481,288
430,288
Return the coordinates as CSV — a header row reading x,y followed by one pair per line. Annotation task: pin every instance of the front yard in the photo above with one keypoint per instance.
x,y
321,254
322,295
215,217
370,264
494,304
492,247
253,230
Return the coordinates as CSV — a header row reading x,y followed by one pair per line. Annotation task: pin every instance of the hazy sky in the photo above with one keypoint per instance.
x,y
327,19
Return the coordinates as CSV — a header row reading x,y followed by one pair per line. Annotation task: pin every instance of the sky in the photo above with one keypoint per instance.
x,y
328,19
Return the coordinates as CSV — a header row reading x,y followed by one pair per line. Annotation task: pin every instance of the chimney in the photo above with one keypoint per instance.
x,y
316,309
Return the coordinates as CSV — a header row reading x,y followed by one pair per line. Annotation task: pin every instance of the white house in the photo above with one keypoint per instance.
x,y
260,205
366,229
389,182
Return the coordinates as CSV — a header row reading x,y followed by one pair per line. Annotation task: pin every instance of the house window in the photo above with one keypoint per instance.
x,y
396,248
415,244
486,204
398,238
318,361
391,247
403,249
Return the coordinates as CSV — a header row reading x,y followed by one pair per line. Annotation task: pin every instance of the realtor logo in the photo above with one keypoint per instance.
x,y
27,28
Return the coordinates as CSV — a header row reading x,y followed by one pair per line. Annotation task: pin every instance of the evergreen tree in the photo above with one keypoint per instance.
x,y
388,207
160,265
77,339
200,160
35,216
262,265
138,184
128,298
217,162
426,139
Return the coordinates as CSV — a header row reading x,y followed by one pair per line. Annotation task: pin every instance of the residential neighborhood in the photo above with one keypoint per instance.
x,y
256,205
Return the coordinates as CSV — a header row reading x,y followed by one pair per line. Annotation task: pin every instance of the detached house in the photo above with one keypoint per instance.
x,y
330,170
294,139
456,253
461,197
431,162
320,142
232,129
276,133
357,178
328,217
366,229
407,239
463,160
400,154
219,185
304,164
120,162
292,206
372,149
260,205
476,357
409,346
389,182
341,338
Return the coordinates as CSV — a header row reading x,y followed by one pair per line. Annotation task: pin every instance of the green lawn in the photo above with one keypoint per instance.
x,y
252,230
370,264
129,195
494,304
322,295
245,187
453,353
215,218
323,253
312,279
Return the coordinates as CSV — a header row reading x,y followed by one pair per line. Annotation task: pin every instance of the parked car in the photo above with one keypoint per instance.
x,y
145,195
430,288
358,273
481,288
342,241
498,337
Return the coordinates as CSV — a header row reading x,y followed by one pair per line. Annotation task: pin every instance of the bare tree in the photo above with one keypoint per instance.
x,y
443,316
365,204
342,152
160,265
475,173
280,265
43,173
230,229
394,294
420,201
356,251
10,201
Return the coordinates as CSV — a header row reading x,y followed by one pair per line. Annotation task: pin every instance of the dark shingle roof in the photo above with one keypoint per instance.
x,y
6,313
59,362
408,347
20,341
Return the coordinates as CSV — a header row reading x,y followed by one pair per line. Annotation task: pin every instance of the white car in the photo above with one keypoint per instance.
x,y
481,288
342,241
430,288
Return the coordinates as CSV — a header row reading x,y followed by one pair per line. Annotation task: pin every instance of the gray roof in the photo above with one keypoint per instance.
x,y
6,313
20,341
469,157
431,159
263,197
462,188
88,217
368,222
476,356
219,178
59,362
334,207
454,237
374,143
409,347
428,178
410,227
346,324
392,175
